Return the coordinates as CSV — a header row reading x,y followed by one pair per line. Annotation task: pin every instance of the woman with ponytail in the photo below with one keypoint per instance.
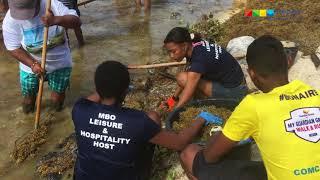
x,y
211,69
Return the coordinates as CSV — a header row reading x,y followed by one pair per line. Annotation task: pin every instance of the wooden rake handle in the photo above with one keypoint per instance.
x,y
85,2
43,65
149,66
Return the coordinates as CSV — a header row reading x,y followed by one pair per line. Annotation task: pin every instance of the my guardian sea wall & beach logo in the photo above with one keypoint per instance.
x,y
305,123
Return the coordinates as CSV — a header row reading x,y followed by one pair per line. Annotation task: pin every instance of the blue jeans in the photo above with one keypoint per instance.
x,y
219,91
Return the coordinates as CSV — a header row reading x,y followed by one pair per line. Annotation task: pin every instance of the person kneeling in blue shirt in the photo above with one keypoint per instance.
x,y
210,69
116,142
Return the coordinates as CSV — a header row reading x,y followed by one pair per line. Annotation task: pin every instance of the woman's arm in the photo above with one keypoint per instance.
x,y
177,92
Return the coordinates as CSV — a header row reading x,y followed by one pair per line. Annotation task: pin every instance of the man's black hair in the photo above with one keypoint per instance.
x,y
111,79
180,35
267,57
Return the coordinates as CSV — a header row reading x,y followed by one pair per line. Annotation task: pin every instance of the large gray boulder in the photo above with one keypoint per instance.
x,y
305,70
237,47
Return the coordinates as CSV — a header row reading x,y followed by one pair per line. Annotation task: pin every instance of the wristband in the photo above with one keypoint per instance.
x,y
33,64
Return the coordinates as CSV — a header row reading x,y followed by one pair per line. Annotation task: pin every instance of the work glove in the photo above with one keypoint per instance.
x,y
169,103
210,118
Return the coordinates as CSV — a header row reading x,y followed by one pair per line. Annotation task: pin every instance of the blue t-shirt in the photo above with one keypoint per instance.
x,y
215,64
109,139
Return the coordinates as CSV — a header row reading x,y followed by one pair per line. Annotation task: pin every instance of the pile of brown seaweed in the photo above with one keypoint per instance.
x,y
54,164
190,113
28,144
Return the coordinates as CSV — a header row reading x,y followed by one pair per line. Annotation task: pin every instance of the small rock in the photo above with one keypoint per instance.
x,y
211,15
237,47
289,44
151,71
175,15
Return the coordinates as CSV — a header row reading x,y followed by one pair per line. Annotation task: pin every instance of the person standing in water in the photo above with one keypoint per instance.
x,y
211,69
23,28
146,4
73,4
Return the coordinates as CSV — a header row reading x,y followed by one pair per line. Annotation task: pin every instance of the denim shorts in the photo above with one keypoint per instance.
x,y
58,81
219,91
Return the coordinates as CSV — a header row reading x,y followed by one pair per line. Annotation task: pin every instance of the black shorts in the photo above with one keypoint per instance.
x,y
144,162
228,169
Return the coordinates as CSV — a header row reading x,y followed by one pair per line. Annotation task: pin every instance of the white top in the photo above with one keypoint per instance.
x,y
29,35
